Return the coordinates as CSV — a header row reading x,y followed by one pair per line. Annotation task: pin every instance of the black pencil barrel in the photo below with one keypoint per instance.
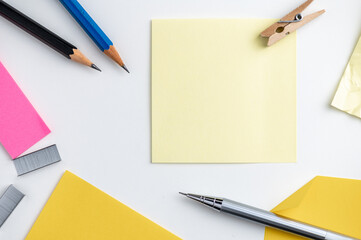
x,y
36,30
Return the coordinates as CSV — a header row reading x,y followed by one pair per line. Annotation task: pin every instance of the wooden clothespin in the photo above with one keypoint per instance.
x,y
289,23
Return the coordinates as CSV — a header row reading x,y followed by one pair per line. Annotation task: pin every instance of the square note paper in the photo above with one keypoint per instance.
x,y
219,95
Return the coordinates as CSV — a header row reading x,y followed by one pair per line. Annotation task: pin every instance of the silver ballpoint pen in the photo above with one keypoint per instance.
x,y
267,218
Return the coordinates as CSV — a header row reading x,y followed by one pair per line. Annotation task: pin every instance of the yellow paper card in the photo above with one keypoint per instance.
x,y
78,211
329,203
348,94
219,95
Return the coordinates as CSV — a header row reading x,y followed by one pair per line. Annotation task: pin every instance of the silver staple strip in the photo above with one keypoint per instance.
x,y
35,160
8,202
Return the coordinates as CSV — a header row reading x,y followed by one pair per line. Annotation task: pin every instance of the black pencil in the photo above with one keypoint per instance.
x,y
46,36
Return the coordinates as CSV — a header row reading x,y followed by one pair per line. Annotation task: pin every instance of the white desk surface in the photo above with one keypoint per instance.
x,y
101,121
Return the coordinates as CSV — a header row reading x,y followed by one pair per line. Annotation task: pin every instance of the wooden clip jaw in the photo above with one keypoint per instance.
x,y
281,29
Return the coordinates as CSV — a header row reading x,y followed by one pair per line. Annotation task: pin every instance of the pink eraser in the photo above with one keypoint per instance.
x,y
20,125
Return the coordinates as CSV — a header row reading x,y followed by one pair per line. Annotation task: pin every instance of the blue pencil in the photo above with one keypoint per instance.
x,y
93,30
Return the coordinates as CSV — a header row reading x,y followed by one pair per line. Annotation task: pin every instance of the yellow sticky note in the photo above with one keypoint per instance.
x,y
78,211
219,95
348,94
329,203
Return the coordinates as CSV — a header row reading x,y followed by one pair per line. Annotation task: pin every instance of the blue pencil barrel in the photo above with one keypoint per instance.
x,y
88,24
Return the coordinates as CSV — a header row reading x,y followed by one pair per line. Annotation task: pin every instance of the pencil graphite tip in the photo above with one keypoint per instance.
x,y
95,67
184,194
125,68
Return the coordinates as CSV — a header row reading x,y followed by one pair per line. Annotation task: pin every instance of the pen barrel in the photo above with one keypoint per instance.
x,y
274,221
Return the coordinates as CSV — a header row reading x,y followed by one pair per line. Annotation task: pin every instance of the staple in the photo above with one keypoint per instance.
x,y
8,202
36,160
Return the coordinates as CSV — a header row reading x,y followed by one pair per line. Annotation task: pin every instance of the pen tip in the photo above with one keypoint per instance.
x,y
125,68
184,194
95,67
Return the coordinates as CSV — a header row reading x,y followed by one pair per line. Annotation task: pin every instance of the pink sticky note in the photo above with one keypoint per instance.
x,y
20,125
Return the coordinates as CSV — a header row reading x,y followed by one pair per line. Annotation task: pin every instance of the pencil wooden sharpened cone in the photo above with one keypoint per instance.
x,y
113,54
93,30
79,57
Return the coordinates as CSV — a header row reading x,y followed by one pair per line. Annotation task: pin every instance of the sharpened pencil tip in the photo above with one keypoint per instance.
x,y
95,67
125,68
184,194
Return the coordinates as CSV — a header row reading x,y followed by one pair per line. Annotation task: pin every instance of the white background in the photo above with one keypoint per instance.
x,y
101,121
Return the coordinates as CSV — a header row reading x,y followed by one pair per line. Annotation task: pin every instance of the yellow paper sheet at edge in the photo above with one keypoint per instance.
x,y
348,94
219,95
79,211
330,203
